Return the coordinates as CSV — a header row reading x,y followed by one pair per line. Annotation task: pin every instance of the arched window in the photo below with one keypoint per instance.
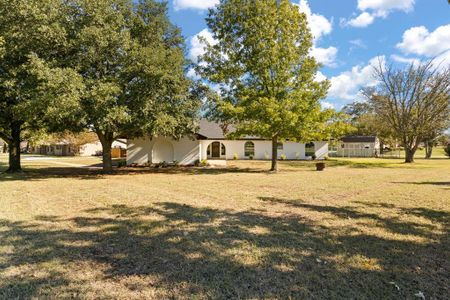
x,y
223,151
310,149
249,149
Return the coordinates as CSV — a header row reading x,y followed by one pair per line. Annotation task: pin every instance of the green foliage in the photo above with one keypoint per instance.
x,y
27,28
235,156
263,66
123,74
447,150
367,123
283,156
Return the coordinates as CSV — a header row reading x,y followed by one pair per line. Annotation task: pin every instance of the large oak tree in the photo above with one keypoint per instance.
x,y
27,27
127,67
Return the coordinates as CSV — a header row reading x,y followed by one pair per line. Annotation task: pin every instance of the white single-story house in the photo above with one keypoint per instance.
x,y
358,146
210,143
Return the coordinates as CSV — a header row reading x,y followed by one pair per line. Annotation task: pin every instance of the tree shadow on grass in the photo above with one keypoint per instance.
x,y
191,252
35,174
444,184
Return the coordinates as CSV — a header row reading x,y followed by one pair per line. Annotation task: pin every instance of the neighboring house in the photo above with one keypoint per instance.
x,y
95,148
210,143
358,146
65,148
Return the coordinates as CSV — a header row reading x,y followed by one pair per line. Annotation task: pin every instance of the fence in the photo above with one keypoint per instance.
x,y
345,152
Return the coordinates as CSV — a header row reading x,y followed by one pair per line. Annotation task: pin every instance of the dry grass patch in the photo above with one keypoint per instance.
x,y
239,232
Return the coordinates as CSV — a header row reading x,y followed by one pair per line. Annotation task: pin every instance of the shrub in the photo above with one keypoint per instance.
x,y
283,156
121,163
204,163
313,157
266,155
447,150
250,156
235,156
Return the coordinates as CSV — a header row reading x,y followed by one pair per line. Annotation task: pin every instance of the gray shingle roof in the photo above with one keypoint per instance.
x,y
213,131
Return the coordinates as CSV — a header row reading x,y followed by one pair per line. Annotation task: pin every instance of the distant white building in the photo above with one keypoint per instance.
x,y
210,143
358,146
65,148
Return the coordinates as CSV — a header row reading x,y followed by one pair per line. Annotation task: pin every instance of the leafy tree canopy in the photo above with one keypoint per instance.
x,y
264,69
124,74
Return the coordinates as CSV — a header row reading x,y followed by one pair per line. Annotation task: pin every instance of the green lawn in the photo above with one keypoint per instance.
x,y
358,230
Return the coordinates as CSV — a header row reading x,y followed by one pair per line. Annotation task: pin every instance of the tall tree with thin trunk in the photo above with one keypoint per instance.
x,y
27,27
414,101
263,65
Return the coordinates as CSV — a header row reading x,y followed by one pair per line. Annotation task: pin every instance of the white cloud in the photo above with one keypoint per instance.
x,y
404,60
319,77
194,4
358,43
383,7
325,56
363,20
318,24
348,84
371,9
192,74
419,41
326,105
443,59
197,46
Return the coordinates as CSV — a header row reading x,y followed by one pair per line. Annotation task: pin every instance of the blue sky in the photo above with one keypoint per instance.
x,y
350,36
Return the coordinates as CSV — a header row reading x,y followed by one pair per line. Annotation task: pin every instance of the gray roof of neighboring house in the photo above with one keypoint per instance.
x,y
213,131
359,139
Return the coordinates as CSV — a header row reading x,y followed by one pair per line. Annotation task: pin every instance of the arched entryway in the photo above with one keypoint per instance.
x,y
162,151
216,150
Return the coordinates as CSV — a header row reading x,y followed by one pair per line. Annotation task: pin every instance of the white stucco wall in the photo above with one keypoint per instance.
x,y
263,149
141,151
186,151
92,148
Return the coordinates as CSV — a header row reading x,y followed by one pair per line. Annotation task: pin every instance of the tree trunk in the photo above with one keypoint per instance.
x,y
106,140
428,149
274,167
14,150
409,154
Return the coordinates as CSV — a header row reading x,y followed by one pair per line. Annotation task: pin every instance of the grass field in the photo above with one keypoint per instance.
x,y
362,229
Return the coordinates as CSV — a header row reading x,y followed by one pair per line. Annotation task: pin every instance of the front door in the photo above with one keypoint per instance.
x,y
215,150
